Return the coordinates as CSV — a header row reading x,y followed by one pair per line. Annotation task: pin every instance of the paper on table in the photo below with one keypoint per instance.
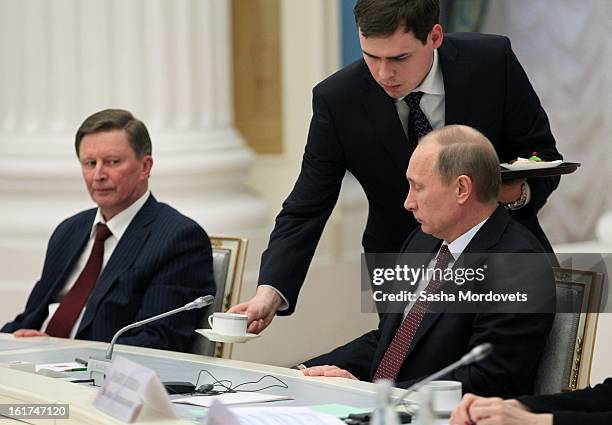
x,y
230,398
339,410
62,367
220,415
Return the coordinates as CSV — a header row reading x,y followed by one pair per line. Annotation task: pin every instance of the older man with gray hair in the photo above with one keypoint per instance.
x,y
454,182
126,260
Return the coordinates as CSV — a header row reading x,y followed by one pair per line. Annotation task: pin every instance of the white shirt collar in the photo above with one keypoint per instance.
x,y
119,223
433,83
457,246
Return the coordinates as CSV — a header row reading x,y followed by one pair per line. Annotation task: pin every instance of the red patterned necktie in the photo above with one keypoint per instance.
x,y
396,352
70,308
418,124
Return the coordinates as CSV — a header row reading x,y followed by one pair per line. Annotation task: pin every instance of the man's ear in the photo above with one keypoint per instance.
x,y
437,36
147,165
463,188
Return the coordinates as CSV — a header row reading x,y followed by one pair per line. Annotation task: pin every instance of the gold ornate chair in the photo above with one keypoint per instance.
x,y
229,256
566,361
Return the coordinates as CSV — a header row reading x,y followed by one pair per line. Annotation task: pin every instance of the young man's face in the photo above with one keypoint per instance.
x,y
400,62
114,175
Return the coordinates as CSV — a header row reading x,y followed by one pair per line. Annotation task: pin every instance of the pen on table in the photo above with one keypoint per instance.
x,y
76,369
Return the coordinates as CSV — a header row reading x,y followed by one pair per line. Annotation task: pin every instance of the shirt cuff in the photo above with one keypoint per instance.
x,y
285,304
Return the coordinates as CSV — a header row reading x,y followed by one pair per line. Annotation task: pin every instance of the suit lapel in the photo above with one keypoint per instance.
x,y
486,237
392,322
386,127
73,250
457,78
123,257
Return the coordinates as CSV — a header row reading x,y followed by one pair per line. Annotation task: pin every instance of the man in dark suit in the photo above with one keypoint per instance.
x,y
454,182
363,122
127,260
590,406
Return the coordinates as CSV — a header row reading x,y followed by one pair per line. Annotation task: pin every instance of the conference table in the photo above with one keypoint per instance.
x,y
17,386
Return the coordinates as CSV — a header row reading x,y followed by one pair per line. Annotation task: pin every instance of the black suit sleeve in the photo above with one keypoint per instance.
x,y
581,418
356,356
27,319
301,221
36,309
183,273
527,130
592,406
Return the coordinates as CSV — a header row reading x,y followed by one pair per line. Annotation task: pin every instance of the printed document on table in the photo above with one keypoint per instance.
x,y
230,399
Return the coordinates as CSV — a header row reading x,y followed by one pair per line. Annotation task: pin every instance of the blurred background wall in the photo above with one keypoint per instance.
x,y
225,89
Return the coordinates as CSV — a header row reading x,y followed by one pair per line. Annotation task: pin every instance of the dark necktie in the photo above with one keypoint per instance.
x,y
418,124
398,349
68,312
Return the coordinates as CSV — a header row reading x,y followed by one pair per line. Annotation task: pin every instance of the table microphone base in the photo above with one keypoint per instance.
x,y
97,369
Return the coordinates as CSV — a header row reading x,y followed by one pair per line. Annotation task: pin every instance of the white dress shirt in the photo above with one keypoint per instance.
x,y
117,225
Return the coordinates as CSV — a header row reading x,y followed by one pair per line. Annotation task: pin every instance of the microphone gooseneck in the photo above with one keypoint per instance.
x,y
197,303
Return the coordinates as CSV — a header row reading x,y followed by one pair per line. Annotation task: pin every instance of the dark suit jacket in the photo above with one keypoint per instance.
x,y
444,337
591,406
355,127
162,261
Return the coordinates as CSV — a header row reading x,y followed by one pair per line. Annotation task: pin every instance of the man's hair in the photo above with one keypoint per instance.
x,y
466,151
117,119
381,18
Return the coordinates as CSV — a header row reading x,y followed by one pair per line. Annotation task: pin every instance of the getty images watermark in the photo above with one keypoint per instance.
x,y
480,283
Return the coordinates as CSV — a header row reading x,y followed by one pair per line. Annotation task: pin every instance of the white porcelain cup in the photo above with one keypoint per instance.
x,y
228,323
445,396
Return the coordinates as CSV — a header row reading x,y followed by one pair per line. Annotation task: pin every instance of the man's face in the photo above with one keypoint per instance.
x,y
431,201
400,62
114,176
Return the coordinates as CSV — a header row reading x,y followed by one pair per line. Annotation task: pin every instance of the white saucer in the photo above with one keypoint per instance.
x,y
217,337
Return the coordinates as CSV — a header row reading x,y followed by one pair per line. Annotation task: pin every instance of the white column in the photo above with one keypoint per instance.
x,y
166,61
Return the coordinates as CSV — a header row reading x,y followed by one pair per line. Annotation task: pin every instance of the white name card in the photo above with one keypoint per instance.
x,y
130,388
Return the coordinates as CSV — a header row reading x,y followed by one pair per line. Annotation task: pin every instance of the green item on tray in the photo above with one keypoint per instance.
x,y
535,157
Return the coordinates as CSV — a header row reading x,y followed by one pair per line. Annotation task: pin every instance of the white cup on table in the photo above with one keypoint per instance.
x,y
445,396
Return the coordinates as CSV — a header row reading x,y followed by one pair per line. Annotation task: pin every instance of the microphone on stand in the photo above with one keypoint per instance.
x,y
475,355
97,367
